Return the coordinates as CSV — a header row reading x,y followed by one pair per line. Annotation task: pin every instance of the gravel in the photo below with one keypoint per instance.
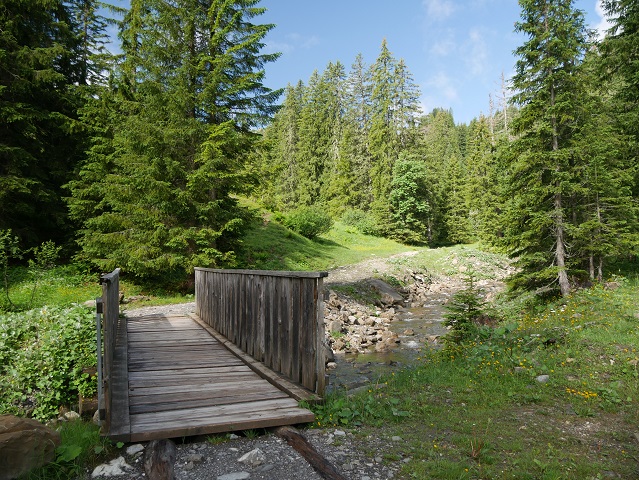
x,y
219,459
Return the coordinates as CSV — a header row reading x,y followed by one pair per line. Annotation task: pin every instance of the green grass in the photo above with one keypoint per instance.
x,y
271,246
81,448
477,410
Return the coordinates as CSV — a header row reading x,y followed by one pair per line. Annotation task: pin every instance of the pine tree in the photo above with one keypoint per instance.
x,y
187,97
40,138
440,148
605,207
411,199
543,178
483,200
357,123
383,141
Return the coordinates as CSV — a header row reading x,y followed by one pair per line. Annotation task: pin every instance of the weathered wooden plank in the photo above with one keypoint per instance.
x,y
191,379
160,404
213,393
307,338
197,414
119,425
320,338
212,386
230,423
187,371
296,391
266,273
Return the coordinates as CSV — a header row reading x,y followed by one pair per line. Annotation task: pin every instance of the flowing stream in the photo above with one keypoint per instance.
x,y
414,327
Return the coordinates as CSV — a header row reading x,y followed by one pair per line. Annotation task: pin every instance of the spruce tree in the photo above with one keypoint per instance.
x,y
543,178
187,98
382,137
40,139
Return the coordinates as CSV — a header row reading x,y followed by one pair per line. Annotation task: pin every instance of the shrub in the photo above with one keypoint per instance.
x,y
464,310
309,221
363,221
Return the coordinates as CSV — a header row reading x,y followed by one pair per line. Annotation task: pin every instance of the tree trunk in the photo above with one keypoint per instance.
x,y
560,246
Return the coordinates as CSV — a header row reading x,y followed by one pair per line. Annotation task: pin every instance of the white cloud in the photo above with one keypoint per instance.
x,y
444,45
293,42
443,86
439,9
303,41
475,52
604,23
281,47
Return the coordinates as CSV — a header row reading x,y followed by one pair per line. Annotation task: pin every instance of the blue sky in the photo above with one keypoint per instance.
x,y
455,49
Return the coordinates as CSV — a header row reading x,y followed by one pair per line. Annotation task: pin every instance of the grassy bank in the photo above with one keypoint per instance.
x,y
271,246
485,409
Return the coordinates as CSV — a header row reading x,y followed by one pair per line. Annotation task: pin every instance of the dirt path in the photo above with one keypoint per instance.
x,y
366,269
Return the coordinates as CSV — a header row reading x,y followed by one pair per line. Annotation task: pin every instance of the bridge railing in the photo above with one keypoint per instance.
x,y
276,317
110,318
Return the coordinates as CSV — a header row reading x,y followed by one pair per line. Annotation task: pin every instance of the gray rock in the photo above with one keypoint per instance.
x,y
543,378
133,449
388,295
234,476
195,458
253,458
396,439
115,467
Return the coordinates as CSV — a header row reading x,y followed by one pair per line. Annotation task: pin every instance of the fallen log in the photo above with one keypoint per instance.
x,y
299,442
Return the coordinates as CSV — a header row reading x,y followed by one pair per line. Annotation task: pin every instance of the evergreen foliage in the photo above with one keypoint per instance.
x,y
155,194
39,146
464,309
543,175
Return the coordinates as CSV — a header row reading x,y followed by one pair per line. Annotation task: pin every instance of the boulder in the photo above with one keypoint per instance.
x,y
25,444
388,295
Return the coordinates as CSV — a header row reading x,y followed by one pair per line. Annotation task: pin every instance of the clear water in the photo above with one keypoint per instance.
x,y
357,370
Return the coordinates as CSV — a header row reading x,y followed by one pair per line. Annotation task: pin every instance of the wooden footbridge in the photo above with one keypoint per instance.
x,y
252,350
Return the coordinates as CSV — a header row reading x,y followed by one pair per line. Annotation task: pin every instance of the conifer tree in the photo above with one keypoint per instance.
x,y
543,177
188,95
383,141
40,140
482,195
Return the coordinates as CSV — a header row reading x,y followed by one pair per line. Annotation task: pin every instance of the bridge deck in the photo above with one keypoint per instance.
x,y
175,379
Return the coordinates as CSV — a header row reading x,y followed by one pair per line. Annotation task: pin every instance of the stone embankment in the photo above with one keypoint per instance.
x,y
353,327
356,327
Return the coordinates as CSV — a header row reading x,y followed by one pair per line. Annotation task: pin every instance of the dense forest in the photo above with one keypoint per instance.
x,y
139,160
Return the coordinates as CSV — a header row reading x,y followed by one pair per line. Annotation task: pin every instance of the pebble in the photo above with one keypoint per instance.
x,y
543,378
133,449
340,433
234,476
396,439
195,458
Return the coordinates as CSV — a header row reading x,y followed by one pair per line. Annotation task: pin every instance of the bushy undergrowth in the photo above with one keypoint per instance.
x,y
362,221
309,222
42,356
